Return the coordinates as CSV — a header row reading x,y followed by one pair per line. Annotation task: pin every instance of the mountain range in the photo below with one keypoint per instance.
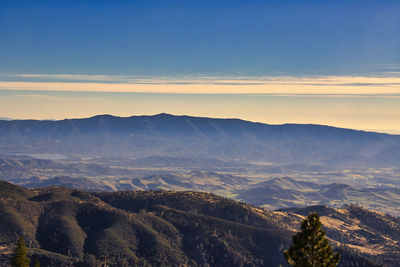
x,y
185,136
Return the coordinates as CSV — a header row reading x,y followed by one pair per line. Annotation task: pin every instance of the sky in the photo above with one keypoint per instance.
x,y
285,61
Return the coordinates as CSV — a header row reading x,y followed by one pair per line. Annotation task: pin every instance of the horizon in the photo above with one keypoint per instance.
x,y
329,63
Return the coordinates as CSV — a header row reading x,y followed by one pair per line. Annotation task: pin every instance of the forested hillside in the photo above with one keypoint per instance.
x,y
162,228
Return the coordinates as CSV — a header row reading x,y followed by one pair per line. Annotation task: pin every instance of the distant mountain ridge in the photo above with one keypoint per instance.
x,y
185,136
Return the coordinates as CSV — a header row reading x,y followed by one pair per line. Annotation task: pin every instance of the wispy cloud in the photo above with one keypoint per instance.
x,y
317,85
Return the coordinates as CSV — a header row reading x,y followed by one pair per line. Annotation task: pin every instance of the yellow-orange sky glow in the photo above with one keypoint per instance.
x,y
357,85
367,103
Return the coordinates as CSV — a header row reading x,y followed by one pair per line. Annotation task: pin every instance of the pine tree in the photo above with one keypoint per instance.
x,y
20,259
310,246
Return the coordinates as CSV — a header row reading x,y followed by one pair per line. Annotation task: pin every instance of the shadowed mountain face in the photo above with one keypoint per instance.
x,y
65,227
183,136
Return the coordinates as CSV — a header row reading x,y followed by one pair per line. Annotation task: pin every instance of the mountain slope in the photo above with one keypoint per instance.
x,y
184,136
367,231
163,228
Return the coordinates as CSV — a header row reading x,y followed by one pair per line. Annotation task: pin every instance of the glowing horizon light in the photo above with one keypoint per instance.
x,y
317,85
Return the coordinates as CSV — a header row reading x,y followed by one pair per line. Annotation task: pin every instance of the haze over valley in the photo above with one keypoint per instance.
x,y
274,166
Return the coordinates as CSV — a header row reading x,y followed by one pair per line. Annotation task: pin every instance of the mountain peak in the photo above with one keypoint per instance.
x,y
164,115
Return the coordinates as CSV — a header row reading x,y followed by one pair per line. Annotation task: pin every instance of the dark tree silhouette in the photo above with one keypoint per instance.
x,y
310,246
20,259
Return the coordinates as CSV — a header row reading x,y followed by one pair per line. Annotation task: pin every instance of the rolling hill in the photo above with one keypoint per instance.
x,y
286,192
164,228
261,185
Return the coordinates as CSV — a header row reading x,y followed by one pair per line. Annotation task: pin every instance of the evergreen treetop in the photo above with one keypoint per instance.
x,y
20,259
310,246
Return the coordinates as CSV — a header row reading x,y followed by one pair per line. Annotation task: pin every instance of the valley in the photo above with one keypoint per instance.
x,y
191,190
270,186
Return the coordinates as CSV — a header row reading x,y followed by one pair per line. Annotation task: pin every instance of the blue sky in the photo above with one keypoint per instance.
x,y
200,37
326,62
